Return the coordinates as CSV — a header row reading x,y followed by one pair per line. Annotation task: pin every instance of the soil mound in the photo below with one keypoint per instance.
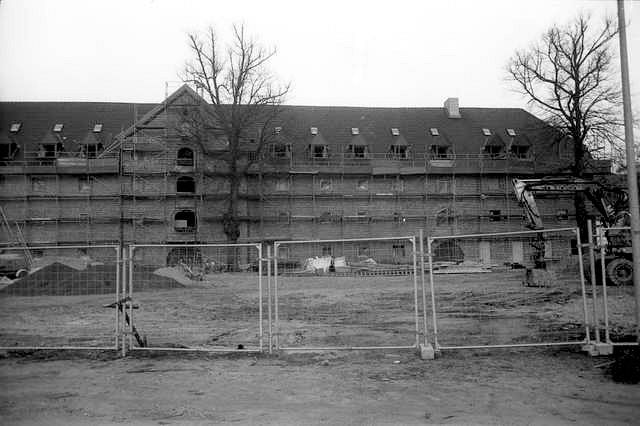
x,y
58,279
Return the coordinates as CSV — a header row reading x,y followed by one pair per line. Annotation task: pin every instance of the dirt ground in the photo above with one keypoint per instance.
x,y
534,387
527,386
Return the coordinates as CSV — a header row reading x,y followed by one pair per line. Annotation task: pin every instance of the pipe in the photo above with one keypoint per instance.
x,y
514,345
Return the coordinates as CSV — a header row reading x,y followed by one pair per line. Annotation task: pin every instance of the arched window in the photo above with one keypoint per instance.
x,y
185,157
185,221
186,184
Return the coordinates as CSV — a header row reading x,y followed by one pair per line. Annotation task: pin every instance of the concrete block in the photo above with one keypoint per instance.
x,y
427,351
598,349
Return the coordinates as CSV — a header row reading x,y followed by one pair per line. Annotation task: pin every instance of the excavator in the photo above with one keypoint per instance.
x,y
612,205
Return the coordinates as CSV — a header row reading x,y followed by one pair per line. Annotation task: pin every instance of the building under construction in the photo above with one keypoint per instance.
x,y
80,173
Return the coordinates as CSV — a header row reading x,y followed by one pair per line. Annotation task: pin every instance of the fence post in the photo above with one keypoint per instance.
x,y
603,271
269,302
594,291
123,296
275,294
424,291
433,296
415,291
582,286
130,298
259,247
117,301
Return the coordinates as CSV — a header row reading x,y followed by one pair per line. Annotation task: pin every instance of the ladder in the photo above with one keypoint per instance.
x,y
19,237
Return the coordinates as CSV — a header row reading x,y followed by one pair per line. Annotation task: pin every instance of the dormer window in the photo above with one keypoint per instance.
x,y
440,152
355,131
92,151
313,130
277,130
15,127
319,151
8,151
280,150
520,151
511,132
47,150
399,149
486,131
400,152
395,131
434,131
493,151
97,128
57,128
357,151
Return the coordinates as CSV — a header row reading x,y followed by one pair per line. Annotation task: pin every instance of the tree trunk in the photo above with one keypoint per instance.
x,y
231,223
582,214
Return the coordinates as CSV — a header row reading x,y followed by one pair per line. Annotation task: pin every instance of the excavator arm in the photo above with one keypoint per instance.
x,y
596,193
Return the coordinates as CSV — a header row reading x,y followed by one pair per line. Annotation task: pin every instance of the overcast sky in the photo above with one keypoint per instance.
x,y
356,53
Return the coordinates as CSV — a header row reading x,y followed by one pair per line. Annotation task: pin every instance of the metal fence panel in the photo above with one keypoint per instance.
x,y
346,294
205,297
507,289
614,301
62,297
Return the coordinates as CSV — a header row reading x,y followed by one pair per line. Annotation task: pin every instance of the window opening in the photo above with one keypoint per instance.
x,y
186,184
520,151
185,157
319,151
185,221
400,152
326,185
440,151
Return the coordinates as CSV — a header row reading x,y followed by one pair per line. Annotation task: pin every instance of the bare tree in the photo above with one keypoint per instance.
x,y
570,79
244,101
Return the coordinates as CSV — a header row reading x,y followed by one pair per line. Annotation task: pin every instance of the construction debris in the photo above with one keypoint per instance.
x,y
181,273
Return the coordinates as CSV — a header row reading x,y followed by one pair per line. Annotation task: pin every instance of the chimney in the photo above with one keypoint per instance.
x,y
451,108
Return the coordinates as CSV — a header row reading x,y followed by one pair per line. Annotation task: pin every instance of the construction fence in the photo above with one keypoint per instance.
x,y
346,294
613,301
508,289
206,297
60,297
512,289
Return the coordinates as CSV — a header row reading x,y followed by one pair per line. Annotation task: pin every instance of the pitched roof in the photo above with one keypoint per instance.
x,y
334,124
50,139
38,118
